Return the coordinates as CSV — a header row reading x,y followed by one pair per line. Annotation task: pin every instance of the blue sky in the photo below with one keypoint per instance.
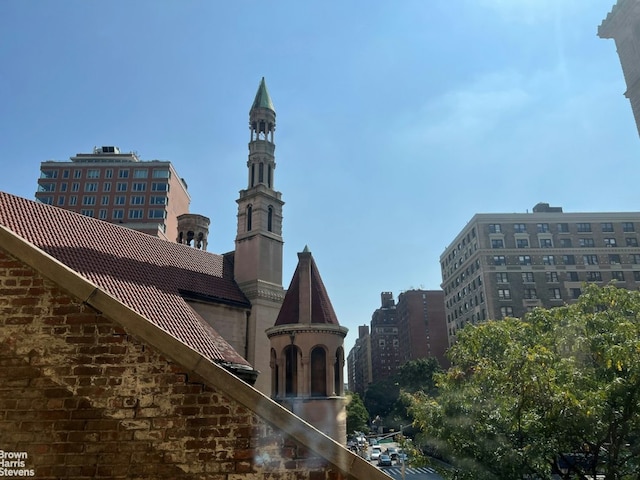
x,y
397,121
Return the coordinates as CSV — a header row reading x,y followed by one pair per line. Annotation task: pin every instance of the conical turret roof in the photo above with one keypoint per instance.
x,y
263,100
307,300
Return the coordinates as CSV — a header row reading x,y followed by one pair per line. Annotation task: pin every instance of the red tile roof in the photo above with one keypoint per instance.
x,y
321,310
147,274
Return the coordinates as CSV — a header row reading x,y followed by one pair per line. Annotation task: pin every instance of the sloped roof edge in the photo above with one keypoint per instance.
x,y
214,375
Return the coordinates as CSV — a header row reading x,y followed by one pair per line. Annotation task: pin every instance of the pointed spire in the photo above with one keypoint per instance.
x,y
263,100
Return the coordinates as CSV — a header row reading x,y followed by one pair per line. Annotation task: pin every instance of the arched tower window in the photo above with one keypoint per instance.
x,y
291,370
275,374
338,384
318,372
270,219
249,215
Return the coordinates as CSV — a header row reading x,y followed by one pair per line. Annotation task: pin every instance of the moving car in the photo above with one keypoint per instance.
x,y
375,453
384,460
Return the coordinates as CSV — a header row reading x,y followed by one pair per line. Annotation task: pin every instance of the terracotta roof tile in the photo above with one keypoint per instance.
x,y
143,272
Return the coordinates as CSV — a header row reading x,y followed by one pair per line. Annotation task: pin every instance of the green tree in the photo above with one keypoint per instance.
x,y
380,397
555,393
357,415
418,375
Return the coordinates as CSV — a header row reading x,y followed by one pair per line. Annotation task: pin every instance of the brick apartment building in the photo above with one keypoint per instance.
x,y
147,196
505,264
359,362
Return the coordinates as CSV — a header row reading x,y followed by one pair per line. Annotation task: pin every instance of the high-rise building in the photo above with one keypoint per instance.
x,y
359,362
505,264
147,196
385,344
422,328
623,25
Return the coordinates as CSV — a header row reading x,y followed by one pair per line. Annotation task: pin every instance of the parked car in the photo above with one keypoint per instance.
x,y
375,453
384,460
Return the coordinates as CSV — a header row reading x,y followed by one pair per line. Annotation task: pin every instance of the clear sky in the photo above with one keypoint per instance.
x,y
397,121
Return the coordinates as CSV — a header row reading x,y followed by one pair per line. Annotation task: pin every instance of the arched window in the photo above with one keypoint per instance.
x,y
270,219
338,384
249,214
261,173
269,176
275,375
253,174
291,371
318,372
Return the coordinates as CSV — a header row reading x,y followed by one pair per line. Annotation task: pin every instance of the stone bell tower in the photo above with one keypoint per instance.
x,y
307,353
258,249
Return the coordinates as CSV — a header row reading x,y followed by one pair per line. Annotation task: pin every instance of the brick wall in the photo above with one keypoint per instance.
x,y
82,398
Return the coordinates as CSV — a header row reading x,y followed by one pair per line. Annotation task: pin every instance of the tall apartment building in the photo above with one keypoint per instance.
x,y
505,264
147,196
623,25
359,362
422,327
385,344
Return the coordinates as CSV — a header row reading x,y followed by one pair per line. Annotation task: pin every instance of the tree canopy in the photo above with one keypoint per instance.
x,y
357,415
555,393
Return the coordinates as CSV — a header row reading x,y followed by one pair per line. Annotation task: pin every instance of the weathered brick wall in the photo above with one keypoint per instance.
x,y
82,398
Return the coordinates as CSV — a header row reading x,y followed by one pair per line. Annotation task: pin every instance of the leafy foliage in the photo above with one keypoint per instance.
x,y
357,415
555,393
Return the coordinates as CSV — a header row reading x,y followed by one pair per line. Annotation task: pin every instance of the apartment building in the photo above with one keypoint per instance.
x,y
505,264
117,187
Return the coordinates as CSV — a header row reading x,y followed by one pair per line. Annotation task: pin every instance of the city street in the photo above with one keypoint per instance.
x,y
410,473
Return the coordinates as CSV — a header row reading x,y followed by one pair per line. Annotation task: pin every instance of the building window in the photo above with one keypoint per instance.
x,y
506,311
554,294
565,243
119,200
106,187
89,200
563,228
140,173
102,214
594,277
159,187
524,259
590,259
527,277
502,277
121,187
137,200
104,200
249,219
551,277
93,173
631,242
610,242
139,187
627,227
108,173
49,174
161,173
500,260
568,259
573,277
636,275
530,294
586,242
504,294
158,200
614,259
61,200
48,200
73,200
635,258
77,174
123,173
156,213
548,260
520,228
270,219
617,275
136,213
497,243
118,214
543,227
495,228
65,174
522,243
87,213
575,293
546,243
47,187
75,187
63,187
91,187
584,227
607,227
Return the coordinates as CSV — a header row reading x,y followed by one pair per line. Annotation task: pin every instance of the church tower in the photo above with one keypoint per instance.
x,y
258,249
307,353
